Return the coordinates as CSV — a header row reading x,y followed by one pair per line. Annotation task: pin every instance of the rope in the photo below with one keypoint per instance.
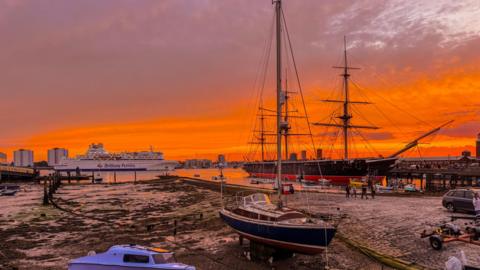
x,y
379,257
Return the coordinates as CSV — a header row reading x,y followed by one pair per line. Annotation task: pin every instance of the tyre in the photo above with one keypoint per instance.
x,y
436,242
450,207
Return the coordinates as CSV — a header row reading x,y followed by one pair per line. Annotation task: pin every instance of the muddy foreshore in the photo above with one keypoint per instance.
x,y
95,217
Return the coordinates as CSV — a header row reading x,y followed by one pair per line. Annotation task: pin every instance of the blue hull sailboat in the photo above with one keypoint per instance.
x,y
260,221
255,217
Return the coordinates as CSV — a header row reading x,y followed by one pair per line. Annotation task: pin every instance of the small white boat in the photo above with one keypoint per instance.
x,y
319,182
381,189
410,188
9,190
257,181
98,179
218,178
129,257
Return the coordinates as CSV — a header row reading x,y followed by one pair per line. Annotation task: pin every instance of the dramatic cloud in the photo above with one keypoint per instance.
x,y
162,73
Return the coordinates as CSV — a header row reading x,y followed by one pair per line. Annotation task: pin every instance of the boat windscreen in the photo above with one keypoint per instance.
x,y
257,198
163,258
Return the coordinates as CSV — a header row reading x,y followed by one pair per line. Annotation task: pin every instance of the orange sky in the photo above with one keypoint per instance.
x,y
180,75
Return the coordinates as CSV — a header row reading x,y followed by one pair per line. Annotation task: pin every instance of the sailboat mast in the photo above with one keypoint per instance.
x,y
262,130
278,15
285,119
346,116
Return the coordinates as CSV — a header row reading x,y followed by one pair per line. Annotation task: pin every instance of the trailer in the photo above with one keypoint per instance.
x,y
448,232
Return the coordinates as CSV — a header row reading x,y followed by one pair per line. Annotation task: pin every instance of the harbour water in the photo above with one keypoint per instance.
x,y
231,176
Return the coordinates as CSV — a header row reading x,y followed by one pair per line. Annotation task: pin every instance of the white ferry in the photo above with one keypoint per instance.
x,y
98,159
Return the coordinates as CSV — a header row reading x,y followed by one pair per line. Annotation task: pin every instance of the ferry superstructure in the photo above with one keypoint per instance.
x,y
98,159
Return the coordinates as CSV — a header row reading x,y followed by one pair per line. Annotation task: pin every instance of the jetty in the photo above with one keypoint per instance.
x,y
16,173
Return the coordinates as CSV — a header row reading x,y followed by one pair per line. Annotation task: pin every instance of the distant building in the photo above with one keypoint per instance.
x,y
466,153
23,158
56,155
3,158
222,160
198,163
478,146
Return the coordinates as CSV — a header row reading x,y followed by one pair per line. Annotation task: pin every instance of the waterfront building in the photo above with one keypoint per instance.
x,y
477,147
23,158
56,155
3,158
221,158
198,163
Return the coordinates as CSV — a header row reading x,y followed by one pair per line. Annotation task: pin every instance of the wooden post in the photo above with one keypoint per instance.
x,y
115,176
93,177
69,177
135,177
50,189
45,193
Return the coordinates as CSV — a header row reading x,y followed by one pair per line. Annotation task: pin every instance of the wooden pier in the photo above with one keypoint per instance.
x,y
16,173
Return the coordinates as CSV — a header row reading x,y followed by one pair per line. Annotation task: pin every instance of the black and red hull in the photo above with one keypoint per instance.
x,y
339,172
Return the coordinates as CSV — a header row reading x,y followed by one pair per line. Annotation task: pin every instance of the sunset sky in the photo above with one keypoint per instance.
x,y
179,75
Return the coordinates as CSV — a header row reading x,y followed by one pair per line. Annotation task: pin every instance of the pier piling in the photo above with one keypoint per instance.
x,y
45,193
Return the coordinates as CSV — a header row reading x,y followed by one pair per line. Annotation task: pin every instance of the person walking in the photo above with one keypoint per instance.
x,y
364,192
476,205
347,191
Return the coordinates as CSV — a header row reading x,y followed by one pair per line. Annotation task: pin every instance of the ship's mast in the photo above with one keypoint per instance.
x,y
280,97
346,116
346,123
262,132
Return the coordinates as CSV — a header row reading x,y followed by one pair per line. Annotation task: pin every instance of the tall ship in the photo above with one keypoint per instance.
x,y
98,159
336,171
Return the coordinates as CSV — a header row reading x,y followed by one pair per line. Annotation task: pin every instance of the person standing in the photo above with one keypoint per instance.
x,y
476,205
347,191
364,191
354,192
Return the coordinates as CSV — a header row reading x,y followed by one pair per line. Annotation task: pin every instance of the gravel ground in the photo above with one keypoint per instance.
x,y
99,216
392,225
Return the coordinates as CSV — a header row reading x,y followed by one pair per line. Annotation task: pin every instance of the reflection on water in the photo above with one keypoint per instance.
x,y
233,176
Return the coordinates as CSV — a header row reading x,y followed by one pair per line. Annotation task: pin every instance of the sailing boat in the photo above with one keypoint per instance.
x,y
256,218
336,171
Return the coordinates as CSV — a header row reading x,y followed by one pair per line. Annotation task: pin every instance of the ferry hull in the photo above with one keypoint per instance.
x,y
116,165
298,239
